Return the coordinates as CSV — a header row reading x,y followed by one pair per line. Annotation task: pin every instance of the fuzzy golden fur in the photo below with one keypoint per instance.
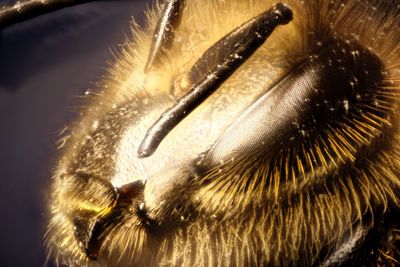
x,y
246,212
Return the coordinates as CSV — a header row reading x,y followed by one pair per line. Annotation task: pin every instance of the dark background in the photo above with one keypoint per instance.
x,y
45,65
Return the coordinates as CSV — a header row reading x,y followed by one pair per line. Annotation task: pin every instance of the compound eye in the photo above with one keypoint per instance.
x,y
310,108
223,59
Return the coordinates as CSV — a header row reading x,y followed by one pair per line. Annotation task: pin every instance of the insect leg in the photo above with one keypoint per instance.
x,y
26,9
248,37
164,34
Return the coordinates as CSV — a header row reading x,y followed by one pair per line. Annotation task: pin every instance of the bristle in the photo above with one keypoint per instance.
x,y
269,208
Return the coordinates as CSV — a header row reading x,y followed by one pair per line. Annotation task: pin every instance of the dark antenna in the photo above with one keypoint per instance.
x,y
23,10
164,34
250,36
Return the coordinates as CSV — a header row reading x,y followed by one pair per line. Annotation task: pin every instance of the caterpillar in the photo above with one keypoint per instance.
x,y
239,133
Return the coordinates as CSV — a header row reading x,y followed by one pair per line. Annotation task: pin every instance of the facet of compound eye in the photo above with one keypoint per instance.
x,y
241,43
282,113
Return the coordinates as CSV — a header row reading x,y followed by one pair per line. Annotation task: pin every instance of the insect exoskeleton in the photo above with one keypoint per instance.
x,y
239,133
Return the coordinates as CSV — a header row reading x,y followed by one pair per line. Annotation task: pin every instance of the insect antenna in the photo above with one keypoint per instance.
x,y
26,9
239,45
165,31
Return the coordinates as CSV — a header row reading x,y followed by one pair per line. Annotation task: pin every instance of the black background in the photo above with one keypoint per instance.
x,y
45,65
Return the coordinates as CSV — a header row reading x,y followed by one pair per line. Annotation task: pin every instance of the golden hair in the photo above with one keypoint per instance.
x,y
289,209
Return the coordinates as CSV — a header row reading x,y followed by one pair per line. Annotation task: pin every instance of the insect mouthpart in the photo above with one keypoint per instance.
x,y
91,232
279,153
